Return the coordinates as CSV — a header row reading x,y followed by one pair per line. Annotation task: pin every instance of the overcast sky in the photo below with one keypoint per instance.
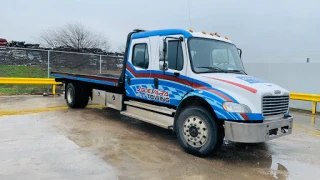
x,y
266,30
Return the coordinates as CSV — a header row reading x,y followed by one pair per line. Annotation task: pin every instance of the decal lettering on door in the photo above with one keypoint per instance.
x,y
153,94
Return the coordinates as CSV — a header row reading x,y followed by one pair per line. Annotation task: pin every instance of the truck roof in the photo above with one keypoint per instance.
x,y
185,33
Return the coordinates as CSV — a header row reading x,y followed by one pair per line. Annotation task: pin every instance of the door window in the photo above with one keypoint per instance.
x,y
140,56
174,56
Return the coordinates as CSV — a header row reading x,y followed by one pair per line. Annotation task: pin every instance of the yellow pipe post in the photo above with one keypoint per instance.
x,y
314,106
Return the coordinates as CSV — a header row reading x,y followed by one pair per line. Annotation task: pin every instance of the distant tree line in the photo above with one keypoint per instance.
x,y
72,37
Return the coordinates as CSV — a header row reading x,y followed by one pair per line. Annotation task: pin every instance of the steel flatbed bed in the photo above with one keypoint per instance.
x,y
108,82
105,79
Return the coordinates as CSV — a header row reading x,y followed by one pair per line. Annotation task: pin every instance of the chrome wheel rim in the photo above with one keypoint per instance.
x,y
69,95
195,131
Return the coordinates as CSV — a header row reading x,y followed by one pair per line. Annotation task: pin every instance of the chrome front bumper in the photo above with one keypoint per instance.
x,y
258,132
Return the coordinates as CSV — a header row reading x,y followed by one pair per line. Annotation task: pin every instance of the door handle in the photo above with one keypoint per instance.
x,y
176,74
128,80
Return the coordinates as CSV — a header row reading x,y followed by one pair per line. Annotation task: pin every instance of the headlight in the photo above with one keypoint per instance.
x,y
234,107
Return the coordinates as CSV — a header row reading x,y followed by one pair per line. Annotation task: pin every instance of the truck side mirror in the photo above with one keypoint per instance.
x,y
240,52
163,66
164,46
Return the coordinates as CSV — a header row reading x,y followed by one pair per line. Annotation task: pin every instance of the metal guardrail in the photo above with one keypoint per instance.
x,y
31,81
314,98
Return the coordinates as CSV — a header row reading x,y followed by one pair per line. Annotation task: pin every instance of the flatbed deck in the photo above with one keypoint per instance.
x,y
103,79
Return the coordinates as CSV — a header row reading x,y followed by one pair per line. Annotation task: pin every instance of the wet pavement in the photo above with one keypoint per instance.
x,y
46,140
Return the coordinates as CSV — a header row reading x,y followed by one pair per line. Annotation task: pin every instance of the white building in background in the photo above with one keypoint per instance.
x,y
296,77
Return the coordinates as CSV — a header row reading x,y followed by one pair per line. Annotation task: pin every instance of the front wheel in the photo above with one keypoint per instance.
x,y
198,132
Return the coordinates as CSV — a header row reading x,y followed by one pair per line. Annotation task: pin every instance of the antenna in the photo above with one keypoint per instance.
x,y
189,14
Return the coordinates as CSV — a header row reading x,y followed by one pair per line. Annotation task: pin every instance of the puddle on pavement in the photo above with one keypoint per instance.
x,y
291,169
143,151
307,122
39,110
315,122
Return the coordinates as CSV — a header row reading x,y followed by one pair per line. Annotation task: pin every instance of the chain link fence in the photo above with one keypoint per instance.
x,y
38,63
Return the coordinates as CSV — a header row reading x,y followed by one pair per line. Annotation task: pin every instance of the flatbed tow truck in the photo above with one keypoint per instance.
x,y
192,83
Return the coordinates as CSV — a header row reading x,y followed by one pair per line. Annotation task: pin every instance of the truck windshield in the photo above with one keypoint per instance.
x,y
209,55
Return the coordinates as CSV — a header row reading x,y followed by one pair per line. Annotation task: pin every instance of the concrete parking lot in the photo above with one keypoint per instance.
x,y
40,138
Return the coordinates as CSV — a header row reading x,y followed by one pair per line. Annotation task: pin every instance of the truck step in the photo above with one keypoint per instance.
x,y
151,107
157,119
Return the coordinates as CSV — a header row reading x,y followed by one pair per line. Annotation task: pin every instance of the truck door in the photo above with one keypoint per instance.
x,y
173,80
137,73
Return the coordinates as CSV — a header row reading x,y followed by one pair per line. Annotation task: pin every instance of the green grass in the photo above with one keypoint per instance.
x,y
22,72
22,89
36,72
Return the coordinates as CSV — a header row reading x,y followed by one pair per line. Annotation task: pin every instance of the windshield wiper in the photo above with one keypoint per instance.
x,y
235,70
215,69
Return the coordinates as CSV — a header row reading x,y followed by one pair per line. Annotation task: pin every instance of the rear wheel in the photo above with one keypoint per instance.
x,y
76,96
198,132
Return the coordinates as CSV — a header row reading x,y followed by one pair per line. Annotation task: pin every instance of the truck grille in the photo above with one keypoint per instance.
x,y
274,105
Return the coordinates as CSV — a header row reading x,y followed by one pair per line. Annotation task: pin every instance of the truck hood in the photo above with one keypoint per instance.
x,y
244,89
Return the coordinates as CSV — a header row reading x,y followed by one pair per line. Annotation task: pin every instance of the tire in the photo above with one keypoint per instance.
x,y
76,96
198,132
84,98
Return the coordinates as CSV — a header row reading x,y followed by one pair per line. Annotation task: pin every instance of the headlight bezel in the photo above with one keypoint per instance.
x,y
236,107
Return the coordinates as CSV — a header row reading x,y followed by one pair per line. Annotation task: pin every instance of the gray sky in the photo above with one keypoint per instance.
x,y
266,30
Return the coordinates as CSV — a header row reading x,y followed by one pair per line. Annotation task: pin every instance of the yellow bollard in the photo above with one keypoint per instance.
x,y
314,106
54,89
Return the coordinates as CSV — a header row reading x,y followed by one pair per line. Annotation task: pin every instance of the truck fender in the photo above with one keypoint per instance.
x,y
193,99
